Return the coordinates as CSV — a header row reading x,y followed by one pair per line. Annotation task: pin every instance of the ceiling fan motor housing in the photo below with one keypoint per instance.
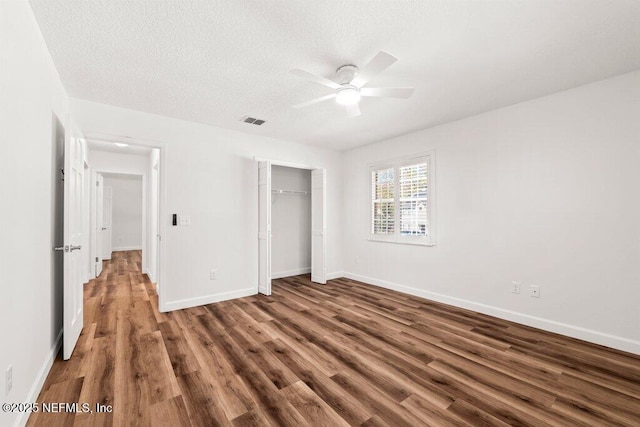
x,y
346,73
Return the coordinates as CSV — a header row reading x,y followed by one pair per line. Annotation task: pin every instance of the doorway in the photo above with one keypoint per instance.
x,y
123,214
300,223
125,205
82,183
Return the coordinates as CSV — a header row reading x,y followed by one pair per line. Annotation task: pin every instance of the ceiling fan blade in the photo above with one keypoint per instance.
x,y
353,110
314,78
315,101
388,92
378,64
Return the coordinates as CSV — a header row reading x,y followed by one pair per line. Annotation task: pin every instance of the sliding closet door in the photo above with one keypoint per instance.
x,y
264,227
318,226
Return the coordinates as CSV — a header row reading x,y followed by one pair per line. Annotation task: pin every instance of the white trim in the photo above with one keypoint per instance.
x,y
147,271
602,338
264,227
163,220
396,164
370,239
290,273
272,163
142,247
127,248
285,164
209,299
162,202
335,275
36,387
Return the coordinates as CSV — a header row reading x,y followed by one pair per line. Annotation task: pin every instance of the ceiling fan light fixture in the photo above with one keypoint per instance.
x,y
350,84
348,95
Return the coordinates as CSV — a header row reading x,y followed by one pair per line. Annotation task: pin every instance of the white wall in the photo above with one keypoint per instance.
x,y
31,302
290,222
123,163
126,226
543,192
211,176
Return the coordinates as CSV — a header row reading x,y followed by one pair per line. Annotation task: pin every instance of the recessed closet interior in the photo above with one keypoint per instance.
x,y
291,221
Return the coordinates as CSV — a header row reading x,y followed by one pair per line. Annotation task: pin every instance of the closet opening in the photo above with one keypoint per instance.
x,y
292,223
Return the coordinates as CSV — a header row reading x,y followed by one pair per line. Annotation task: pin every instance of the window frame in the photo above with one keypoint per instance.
x,y
396,164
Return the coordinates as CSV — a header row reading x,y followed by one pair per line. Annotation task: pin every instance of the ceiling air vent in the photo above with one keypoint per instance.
x,y
252,120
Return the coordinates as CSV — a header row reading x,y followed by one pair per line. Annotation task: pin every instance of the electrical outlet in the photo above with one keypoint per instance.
x,y
9,378
515,287
535,291
213,274
185,220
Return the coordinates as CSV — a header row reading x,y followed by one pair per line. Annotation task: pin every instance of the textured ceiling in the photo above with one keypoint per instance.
x,y
215,61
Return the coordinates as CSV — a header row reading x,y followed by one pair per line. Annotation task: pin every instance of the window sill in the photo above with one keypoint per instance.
x,y
371,239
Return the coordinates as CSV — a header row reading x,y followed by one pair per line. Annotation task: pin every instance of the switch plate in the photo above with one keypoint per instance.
x,y
184,220
213,275
535,291
515,287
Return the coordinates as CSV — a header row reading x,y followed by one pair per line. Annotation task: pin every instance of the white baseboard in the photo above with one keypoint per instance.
x,y
36,387
151,277
335,275
613,341
126,248
290,273
330,276
207,299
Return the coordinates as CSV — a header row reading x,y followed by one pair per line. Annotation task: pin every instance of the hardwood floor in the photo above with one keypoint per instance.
x,y
340,354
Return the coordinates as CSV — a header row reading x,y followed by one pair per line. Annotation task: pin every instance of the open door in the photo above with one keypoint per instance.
x,y
107,213
318,226
73,238
98,209
264,227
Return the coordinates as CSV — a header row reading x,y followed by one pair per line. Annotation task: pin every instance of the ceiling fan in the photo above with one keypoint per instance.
x,y
350,81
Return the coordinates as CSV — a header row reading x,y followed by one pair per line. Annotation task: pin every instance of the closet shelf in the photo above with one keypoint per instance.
x,y
279,191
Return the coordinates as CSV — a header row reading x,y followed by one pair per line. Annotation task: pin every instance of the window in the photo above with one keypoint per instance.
x,y
402,201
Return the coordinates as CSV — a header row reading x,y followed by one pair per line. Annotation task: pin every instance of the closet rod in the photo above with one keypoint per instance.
x,y
290,192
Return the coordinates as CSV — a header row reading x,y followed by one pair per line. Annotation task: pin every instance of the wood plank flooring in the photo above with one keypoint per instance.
x,y
344,353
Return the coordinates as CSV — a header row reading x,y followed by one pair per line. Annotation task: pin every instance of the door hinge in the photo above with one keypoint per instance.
x,y
62,175
97,183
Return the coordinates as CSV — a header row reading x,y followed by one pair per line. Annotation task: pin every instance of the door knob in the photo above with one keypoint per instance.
x,y
75,248
104,228
61,248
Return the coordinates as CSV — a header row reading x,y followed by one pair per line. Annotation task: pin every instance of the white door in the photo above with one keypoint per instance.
x,y
318,226
264,227
107,211
155,224
98,211
73,239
